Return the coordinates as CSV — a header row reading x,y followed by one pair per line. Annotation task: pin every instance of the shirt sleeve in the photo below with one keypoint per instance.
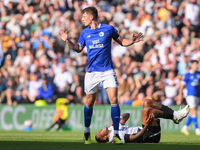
x,y
81,41
114,33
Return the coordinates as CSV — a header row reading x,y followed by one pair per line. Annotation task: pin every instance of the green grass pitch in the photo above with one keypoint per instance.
x,y
67,140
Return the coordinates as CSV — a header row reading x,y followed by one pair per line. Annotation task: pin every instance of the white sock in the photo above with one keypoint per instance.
x,y
115,132
185,127
175,115
197,130
87,129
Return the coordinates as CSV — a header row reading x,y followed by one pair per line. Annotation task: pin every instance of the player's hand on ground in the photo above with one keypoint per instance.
x,y
138,37
150,119
63,35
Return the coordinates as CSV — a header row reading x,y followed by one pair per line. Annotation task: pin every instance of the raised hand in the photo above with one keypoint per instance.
x,y
150,119
63,35
137,38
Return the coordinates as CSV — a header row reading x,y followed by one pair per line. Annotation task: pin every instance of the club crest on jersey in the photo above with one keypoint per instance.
x,y
88,36
101,34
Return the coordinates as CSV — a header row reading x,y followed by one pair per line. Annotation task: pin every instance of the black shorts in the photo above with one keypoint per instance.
x,y
60,121
152,134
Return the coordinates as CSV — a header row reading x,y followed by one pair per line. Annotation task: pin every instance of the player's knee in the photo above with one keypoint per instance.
x,y
114,100
146,111
147,103
90,101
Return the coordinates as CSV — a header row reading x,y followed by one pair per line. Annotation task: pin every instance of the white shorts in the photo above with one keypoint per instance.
x,y
192,101
93,80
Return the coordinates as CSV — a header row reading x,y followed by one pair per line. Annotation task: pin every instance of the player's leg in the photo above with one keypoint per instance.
x,y
153,133
193,102
168,113
149,110
88,111
51,126
115,112
193,115
60,123
91,88
111,86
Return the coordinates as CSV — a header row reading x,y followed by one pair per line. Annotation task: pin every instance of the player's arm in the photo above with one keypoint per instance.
x,y
64,36
124,117
132,138
127,42
180,94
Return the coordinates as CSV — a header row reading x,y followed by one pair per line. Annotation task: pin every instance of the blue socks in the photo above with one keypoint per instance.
x,y
87,116
115,115
189,120
194,120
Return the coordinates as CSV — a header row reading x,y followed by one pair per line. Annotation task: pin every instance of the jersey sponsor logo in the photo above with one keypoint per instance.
x,y
95,41
191,77
101,34
96,44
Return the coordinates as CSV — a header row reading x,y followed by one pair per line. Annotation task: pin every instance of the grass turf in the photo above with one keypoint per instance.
x,y
74,141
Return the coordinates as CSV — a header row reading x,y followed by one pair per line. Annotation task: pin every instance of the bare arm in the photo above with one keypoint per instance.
x,y
180,97
77,8
125,117
127,42
140,133
42,4
148,54
64,36
74,46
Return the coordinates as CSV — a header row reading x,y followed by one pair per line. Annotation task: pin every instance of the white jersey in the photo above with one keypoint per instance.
x,y
123,129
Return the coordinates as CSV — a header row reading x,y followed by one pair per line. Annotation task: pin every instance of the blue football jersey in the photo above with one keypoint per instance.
x,y
192,82
98,43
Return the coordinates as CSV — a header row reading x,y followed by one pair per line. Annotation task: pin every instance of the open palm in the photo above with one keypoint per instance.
x,y
63,35
137,38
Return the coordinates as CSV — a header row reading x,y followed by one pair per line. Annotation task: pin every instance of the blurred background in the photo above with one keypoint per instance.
x,y
37,65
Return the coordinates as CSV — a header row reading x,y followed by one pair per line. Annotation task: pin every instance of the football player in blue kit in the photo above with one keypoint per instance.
x,y
192,83
150,132
97,39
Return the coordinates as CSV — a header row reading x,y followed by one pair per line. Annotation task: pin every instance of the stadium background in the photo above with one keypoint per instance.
x,y
13,118
30,52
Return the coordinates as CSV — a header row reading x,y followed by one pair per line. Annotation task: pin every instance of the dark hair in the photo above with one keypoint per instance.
x,y
194,60
92,11
99,140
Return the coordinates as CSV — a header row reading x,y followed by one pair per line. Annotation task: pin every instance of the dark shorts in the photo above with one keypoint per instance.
x,y
152,134
60,121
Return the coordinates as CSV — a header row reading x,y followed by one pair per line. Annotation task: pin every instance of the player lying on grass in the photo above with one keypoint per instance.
x,y
150,131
